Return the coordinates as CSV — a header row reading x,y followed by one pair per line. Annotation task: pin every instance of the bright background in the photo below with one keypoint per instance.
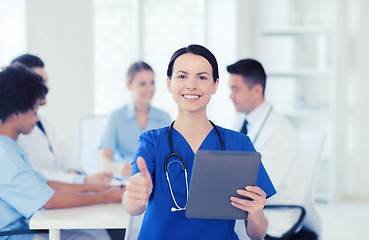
x,y
315,54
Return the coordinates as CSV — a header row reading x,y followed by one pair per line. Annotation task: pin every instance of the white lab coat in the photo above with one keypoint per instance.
x,y
52,164
280,148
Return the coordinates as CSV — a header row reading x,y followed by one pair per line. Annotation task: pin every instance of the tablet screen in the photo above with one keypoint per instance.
x,y
216,176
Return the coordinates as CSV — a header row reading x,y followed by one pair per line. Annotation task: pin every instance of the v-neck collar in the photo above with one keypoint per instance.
x,y
188,145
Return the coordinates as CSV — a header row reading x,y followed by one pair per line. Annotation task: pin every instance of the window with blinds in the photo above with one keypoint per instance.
x,y
148,30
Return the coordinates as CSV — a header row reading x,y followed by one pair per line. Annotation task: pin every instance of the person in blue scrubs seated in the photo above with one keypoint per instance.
x,y
23,190
192,80
124,126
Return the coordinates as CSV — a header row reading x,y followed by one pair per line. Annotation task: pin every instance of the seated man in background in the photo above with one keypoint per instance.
x,y
46,153
23,190
273,136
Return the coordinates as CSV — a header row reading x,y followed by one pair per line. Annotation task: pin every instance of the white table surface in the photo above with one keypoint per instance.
x,y
101,216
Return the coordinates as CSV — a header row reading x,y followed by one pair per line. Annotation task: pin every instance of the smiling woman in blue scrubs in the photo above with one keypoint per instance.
x,y
192,80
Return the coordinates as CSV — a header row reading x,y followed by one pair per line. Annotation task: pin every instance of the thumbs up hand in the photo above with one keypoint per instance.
x,y
140,187
143,168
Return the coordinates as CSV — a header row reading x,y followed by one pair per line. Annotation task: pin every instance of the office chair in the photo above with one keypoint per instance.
x,y
308,226
134,227
91,128
21,232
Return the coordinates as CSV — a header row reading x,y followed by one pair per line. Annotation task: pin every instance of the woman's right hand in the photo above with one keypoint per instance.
x,y
138,190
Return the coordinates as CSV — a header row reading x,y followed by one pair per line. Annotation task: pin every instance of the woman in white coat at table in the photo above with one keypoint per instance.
x,y
124,126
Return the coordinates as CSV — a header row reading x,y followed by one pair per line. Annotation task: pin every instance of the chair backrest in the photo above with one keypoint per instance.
x,y
91,128
312,140
22,232
134,227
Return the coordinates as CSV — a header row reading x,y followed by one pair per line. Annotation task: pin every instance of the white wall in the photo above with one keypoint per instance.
x,y
12,30
221,38
61,33
352,176
361,53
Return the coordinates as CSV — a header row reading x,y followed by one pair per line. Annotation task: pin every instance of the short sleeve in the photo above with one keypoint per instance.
x,y
22,188
40,177
248,145
264,182
146,150
108,139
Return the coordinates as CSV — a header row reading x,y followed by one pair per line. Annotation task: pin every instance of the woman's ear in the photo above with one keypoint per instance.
x,y
215,87
14,117
169,85
129,85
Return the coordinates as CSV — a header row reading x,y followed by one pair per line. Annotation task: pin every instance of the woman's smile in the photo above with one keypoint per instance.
x,y
191,97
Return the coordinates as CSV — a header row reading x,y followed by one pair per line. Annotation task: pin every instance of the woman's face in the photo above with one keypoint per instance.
x,y
142,87
192,82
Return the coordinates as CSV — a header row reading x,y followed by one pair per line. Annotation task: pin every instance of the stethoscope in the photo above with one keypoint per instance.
x,y
262,125
184,166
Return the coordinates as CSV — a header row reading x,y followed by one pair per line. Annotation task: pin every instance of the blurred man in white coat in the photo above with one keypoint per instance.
x,y
47,153
273,136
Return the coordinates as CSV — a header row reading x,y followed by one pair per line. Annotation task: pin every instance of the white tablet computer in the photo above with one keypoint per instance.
x,y
216,176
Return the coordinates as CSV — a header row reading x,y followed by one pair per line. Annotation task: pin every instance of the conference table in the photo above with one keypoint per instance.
x,y
101,216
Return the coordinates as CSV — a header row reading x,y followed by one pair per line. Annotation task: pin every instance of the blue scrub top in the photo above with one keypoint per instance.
x,y
121,132
23,191
159,222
